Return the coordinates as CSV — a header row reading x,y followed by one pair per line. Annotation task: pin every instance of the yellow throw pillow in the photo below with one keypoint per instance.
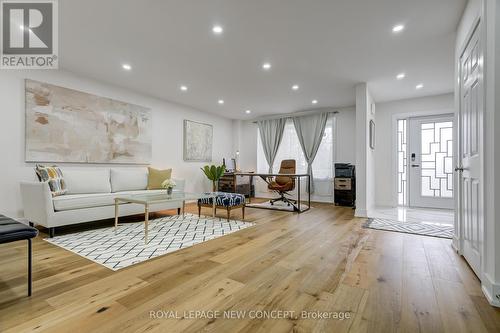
x,y
156,177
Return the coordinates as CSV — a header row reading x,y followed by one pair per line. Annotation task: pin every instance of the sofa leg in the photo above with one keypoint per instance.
x,y
179,211
52,232
29,267
199,210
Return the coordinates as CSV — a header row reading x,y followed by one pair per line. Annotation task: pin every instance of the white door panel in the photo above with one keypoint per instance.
x,y
470,133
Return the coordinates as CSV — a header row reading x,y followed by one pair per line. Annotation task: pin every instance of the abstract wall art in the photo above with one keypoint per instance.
x,y
65,125
197,141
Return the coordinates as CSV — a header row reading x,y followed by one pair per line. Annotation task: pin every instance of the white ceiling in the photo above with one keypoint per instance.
x,y
324,46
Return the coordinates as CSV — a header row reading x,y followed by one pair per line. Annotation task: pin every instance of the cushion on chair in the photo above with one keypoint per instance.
x,y
282,182
11,230
225,199
281,187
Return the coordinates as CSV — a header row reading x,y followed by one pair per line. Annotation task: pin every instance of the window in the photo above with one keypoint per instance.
x,y
290,149
402,163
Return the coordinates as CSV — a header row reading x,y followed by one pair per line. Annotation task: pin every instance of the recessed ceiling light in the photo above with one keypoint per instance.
x,y
184,88
401,76
398,28
419,86
126,67
248,111
217,29
266,66
220,101
295,87
314,101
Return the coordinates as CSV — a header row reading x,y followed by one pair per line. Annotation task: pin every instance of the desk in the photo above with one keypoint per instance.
x,y
266,177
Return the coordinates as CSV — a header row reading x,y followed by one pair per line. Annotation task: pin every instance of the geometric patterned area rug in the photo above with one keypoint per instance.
x,y
126,247
423,228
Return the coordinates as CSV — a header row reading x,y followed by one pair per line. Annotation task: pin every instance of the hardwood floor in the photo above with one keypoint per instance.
x,y
322,262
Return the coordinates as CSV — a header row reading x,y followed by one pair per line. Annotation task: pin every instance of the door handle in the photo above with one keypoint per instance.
x,y
415,165
460,169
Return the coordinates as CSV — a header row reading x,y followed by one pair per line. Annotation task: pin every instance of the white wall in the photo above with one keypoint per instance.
x,y
365,156
385,157
345,147
167,132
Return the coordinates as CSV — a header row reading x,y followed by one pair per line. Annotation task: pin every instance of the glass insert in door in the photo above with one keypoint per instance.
x,y
437,159
402,162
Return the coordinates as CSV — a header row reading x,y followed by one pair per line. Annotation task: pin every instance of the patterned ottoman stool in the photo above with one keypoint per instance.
x,y
224,200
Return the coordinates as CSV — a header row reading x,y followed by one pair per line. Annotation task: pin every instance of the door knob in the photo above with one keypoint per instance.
x,y
415,165
459,169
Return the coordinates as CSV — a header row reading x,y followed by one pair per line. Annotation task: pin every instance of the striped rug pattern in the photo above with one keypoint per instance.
x,y
422,228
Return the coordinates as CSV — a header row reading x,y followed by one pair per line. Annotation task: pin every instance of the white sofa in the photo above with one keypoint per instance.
x,y
90,196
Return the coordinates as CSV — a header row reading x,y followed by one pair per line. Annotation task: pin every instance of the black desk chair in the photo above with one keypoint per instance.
x,y
12,231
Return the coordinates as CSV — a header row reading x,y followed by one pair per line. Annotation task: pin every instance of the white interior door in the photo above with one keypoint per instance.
x,y
471,214
431,162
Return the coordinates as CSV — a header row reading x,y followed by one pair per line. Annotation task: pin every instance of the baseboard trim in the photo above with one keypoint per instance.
x,y
491,290
455,245
361,212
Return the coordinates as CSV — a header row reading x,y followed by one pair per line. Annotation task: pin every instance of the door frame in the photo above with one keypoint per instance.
x,y
394,153
410,183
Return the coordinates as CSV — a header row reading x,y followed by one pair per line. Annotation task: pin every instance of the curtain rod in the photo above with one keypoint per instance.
x,y
294,114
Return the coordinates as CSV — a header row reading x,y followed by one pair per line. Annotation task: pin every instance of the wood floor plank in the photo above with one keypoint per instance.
x,y
321,261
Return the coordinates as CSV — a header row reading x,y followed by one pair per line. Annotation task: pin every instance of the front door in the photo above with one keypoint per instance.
x,y
431,162
471,151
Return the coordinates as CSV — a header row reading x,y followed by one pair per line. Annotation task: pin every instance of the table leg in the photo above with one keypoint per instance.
x,y
298,191
30,267
116,214
250,190
309,190
146,223
213,207
183,209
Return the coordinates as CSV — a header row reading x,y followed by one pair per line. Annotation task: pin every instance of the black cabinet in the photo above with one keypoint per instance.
x,y
345,185
233,183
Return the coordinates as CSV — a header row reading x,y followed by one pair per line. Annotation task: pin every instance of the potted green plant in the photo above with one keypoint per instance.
x,y
214,173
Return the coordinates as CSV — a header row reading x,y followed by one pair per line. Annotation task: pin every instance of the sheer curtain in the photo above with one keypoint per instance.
x,y
310,131
290,148
271,133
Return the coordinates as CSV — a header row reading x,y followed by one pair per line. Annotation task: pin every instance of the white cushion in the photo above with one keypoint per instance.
x,y
79,201
129,179
92,180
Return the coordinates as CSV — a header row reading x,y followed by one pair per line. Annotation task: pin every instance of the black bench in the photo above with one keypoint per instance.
x,y
11,231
